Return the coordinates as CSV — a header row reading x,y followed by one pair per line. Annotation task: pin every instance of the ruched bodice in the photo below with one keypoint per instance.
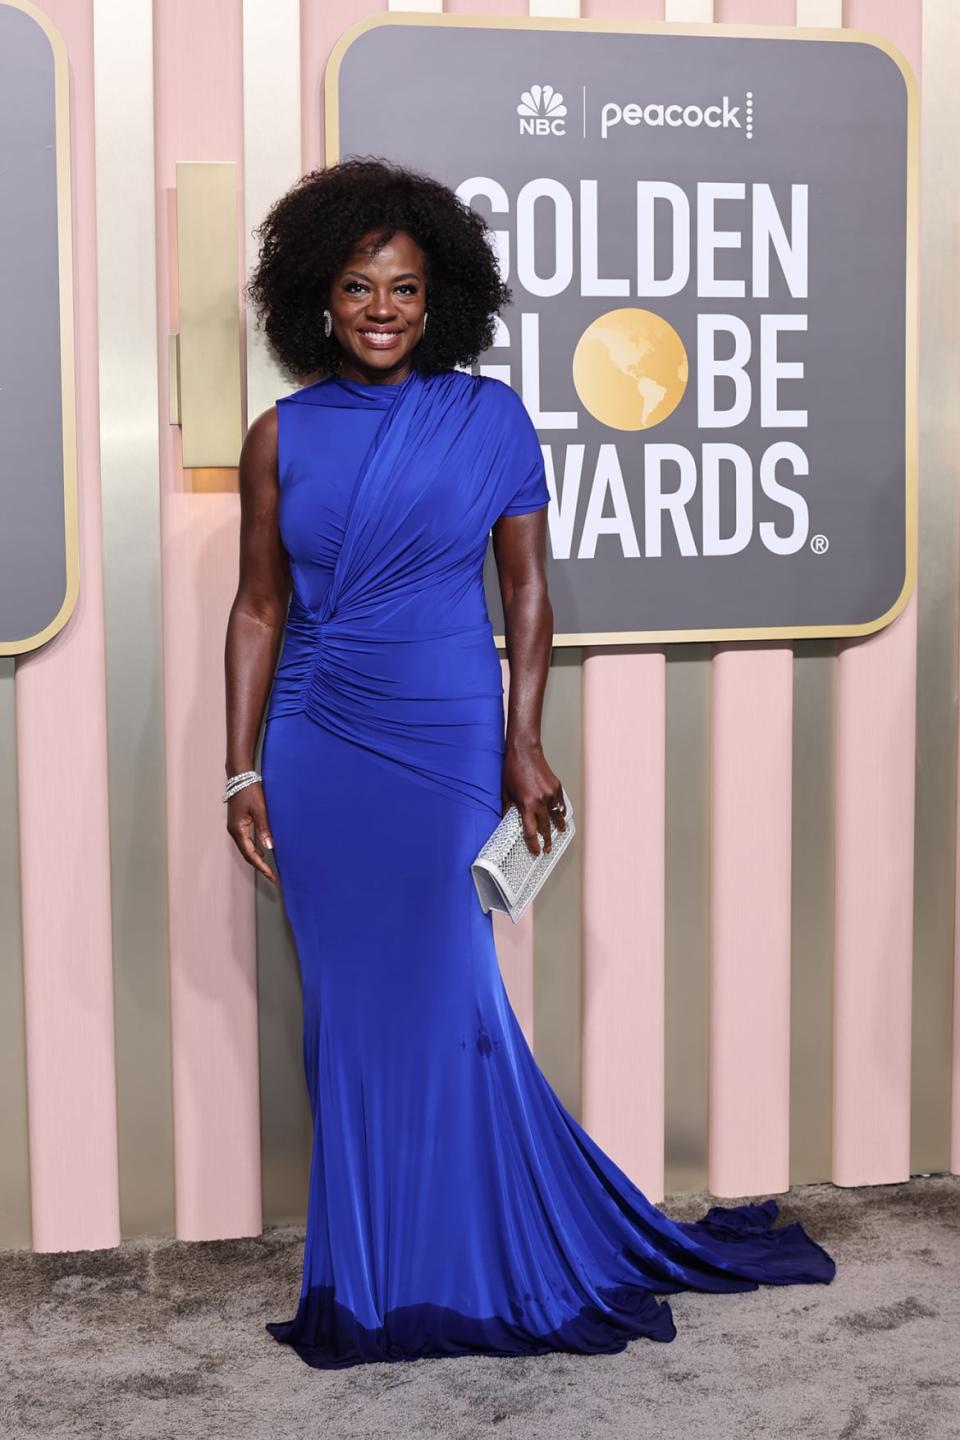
x,y
388,639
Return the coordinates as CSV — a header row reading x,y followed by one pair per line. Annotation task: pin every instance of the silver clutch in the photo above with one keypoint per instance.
x,y
506,874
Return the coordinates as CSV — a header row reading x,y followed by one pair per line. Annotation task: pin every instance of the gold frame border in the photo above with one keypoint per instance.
x,y
711,31
68,379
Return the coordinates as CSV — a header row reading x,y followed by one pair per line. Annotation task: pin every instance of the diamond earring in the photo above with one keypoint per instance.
x,y
327,323
424,323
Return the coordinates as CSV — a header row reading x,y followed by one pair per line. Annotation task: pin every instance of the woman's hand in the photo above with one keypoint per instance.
x,y
246,819
530,784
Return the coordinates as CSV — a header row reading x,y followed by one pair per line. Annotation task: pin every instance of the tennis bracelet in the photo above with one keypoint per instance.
x,y
237,782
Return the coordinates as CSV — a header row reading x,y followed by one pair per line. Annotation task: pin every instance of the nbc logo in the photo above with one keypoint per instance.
x,y
541,111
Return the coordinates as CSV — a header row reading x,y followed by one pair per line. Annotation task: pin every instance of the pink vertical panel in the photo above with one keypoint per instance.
x,y
621,828
212,925
213,982
750,872
320,28
750,884
898,21
752,766
623,893
875,757
876,729
62,778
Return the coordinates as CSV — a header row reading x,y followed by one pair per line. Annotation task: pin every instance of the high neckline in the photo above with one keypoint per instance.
x,y
375,386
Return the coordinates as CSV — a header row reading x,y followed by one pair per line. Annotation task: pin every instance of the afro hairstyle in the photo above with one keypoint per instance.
x,y
310,232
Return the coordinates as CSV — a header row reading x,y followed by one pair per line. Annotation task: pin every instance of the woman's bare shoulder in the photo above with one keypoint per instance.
x,y
261,435
258,454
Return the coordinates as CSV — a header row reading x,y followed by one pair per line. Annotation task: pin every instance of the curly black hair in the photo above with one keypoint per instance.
x,y
309,234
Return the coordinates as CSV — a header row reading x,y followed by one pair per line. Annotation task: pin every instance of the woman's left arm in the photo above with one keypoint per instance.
x,y
519,547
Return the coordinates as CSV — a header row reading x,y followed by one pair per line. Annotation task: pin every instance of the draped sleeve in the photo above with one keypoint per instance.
x,y
524,482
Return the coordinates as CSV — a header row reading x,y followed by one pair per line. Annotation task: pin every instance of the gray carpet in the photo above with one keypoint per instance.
x,y
165,1339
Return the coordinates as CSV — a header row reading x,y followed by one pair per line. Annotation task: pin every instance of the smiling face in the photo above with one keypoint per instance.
x,y
377,303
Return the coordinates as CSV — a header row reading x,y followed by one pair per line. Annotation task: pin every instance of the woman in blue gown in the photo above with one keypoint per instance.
x,y
455,1205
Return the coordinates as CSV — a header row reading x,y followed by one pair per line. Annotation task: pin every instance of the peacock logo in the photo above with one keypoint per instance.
x,y
542,111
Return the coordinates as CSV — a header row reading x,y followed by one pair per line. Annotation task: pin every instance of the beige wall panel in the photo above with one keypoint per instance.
x,y
208,403
820,12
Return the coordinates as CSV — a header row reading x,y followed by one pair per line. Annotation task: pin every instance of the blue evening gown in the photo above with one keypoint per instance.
x,y
455,1206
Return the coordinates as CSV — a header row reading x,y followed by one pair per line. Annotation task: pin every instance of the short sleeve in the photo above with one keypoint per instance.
x,y
527,487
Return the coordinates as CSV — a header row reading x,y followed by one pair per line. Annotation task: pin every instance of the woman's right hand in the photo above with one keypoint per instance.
x,y
247,819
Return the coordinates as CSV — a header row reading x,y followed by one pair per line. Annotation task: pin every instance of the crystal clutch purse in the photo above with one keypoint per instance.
x,y
506,874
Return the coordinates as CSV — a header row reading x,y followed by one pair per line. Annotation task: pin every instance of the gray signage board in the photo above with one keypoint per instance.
x,y
710,237
39,544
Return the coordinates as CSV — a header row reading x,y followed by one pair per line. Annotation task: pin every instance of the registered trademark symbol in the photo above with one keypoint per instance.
x,y
819,544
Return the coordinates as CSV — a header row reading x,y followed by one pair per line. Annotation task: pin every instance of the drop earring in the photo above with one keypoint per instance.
x,y
424,326
327,323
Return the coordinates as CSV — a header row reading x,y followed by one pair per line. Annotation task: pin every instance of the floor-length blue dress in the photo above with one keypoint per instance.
x,y
455,1206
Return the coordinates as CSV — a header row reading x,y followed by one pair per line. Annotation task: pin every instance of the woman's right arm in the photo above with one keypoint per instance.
x,y
254,630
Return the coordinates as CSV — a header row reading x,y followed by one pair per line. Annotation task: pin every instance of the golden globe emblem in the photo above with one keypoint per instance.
x,y
630,369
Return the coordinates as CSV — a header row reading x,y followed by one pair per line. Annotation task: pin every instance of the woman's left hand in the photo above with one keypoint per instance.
x,y
530,784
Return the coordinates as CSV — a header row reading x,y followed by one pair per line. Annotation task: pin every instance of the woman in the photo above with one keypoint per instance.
x,y
455,1205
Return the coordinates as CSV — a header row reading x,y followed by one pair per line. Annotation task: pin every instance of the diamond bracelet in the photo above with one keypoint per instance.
x,y
238,782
